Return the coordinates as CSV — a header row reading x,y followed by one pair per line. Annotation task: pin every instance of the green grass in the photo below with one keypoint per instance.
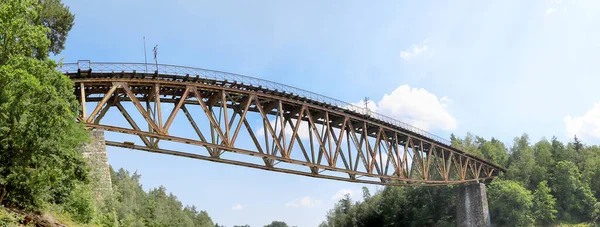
x,y
64,218
576,225
8,219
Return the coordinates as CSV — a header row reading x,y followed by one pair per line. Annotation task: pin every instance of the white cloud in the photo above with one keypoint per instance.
x,y
550,10
342,193
586,126
305,201
554,5
414,51
414,106
354,194
237,207
418,107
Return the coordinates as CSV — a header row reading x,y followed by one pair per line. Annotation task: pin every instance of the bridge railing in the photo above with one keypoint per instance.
x,y
224,76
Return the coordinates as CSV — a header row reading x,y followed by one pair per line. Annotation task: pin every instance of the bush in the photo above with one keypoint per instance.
x,y
80,204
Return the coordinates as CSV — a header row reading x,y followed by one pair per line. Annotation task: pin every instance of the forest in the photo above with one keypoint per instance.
x,y
42,171
547,183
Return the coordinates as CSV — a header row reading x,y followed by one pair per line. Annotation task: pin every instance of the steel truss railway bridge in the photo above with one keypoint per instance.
x,y
338,141
283,129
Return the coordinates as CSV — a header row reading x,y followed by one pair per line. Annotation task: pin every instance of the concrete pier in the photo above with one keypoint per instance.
x,y
471,206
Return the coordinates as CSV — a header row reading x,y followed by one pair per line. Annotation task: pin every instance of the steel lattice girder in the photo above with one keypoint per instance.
x,y
364,149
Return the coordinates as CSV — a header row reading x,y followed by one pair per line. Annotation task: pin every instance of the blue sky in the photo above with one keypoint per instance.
x,y
493,68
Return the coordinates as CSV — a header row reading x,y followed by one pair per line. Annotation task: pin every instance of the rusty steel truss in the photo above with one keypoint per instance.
x,y
321,137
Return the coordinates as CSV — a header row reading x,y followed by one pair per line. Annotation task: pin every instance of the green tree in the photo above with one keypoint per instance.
x,y
494,151
470,144
577,144
277,224
521,161
575,201
544,211
130,199
565,182
366,193
543,160
397,206
559,152
201,218
367,213
20,37
39,161
340,214
509,203
132,206
59,19
595,182
542,151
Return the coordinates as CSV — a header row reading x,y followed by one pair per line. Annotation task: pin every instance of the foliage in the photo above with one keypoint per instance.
x,y
521,162
130,205
61,214
394,206
544,211
277,224
20,36
510,203
8,219
575,199
57,17
548,183
39,162
80,204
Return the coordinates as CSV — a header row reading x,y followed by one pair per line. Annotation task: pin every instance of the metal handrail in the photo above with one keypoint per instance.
x,y
224,76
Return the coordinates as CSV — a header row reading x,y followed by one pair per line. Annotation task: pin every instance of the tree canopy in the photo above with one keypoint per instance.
x,y
57,17
39,160
547,182
277,224
130,205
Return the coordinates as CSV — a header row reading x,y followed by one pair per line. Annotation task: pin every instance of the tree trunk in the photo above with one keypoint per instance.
x,y
2,193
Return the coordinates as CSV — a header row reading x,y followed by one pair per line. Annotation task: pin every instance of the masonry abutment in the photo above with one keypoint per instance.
x,y
471,206
97,161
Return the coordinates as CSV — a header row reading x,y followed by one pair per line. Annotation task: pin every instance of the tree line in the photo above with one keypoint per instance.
x,y
41,167
546,183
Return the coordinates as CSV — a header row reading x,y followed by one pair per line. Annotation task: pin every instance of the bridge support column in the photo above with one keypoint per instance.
x,y
97,161
471,206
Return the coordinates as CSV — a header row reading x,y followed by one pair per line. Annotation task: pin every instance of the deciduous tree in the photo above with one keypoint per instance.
x,y
544,211
510,203
39,161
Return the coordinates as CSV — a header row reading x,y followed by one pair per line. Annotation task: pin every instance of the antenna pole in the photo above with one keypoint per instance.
x,y
145,56
366,102
155,59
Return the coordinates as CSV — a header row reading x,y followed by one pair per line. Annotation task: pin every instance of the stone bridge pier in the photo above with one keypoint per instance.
x,y
97,161
471,206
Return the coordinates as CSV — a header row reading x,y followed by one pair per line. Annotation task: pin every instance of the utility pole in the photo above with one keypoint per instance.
x,y
156,53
